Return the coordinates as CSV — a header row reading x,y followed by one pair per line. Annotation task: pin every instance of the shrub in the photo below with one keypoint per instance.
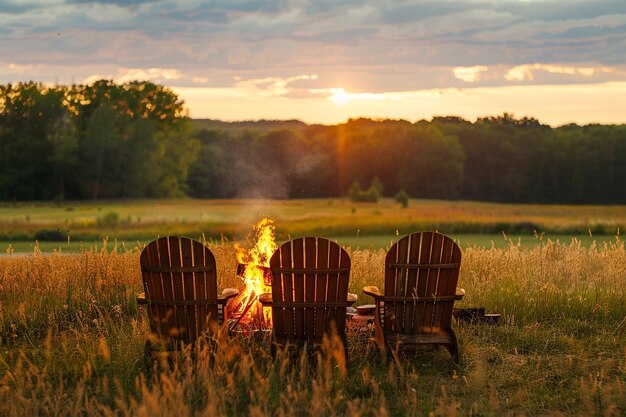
x,y
373,193
403,198
48,235
378,186
111,219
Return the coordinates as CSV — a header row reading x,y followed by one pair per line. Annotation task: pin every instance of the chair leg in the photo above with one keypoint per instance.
x,y
378,330
453,346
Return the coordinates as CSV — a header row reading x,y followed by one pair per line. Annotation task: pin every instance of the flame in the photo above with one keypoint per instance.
x,y
253,275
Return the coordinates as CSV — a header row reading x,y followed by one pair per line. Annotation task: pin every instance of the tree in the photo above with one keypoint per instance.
x,y
403,198
432,165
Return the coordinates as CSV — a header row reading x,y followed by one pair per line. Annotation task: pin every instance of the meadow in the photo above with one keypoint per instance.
x,y
71,343
73,226
72,337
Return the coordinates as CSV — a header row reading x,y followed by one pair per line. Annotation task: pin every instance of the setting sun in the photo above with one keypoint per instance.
x,y
339,96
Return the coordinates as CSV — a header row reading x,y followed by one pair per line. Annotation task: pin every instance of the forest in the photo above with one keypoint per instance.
x,y
135,140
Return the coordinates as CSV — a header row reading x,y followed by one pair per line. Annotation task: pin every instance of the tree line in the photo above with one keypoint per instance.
x,y
103,140
134,140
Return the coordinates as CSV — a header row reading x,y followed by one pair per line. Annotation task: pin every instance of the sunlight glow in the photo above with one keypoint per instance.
x,y
339,96
552,104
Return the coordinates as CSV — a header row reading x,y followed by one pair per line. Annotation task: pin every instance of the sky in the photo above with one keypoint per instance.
x,y
560,61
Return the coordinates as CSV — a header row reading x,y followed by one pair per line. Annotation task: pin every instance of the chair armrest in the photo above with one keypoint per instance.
x,y
460,292
373,292
227,294
266,299
352,298
141,298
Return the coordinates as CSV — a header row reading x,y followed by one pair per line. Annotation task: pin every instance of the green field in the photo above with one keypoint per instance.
x,y
353,242
361,225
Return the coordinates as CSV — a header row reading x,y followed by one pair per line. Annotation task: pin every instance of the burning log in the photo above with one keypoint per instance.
x,y
254,271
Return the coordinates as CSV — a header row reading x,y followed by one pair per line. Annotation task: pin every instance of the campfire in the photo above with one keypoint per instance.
x,y
246,312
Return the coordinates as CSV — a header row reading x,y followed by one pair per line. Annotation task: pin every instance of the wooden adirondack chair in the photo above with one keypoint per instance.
x,y
309,293
421,274
180,284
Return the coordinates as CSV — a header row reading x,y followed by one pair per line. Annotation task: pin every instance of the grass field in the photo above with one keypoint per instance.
x,y
71,343
353,224
71,336
487,240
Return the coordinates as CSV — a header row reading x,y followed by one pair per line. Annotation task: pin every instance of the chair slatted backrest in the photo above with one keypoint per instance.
x,y
421,274
309,289
180,283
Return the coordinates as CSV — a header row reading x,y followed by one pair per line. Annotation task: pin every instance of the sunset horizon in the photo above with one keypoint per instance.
x,y
326,62
463,103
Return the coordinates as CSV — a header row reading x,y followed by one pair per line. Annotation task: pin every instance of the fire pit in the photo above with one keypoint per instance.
x,y
247,314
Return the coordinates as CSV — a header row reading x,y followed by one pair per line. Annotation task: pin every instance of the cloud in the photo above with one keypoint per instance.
x,y
138,74
358,47
469,74
270,86
12,68
527,71
114,2
550,10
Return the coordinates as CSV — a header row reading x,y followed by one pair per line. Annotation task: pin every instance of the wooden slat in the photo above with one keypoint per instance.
x,y
305,270
183,302
414,265
310,264
401,284
433,277
436,259
422,285
427,338
321,284
200,283
287,279
305,304
191,312
173,269
180,312
278,313
168,290
342,294
210,278
417,300
180,287
411,287
298,285
451,281
333,285
322,292
153,287
388,311
442,285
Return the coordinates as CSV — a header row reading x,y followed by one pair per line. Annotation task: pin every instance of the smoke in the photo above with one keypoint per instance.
x,y
263,184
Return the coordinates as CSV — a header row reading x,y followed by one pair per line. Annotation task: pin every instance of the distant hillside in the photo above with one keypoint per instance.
x,y
251,125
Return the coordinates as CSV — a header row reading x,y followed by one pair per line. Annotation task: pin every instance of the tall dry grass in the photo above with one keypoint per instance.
x,y
72,344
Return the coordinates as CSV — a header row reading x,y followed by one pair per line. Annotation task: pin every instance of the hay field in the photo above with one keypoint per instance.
x,y
77,226
72,344
146,219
